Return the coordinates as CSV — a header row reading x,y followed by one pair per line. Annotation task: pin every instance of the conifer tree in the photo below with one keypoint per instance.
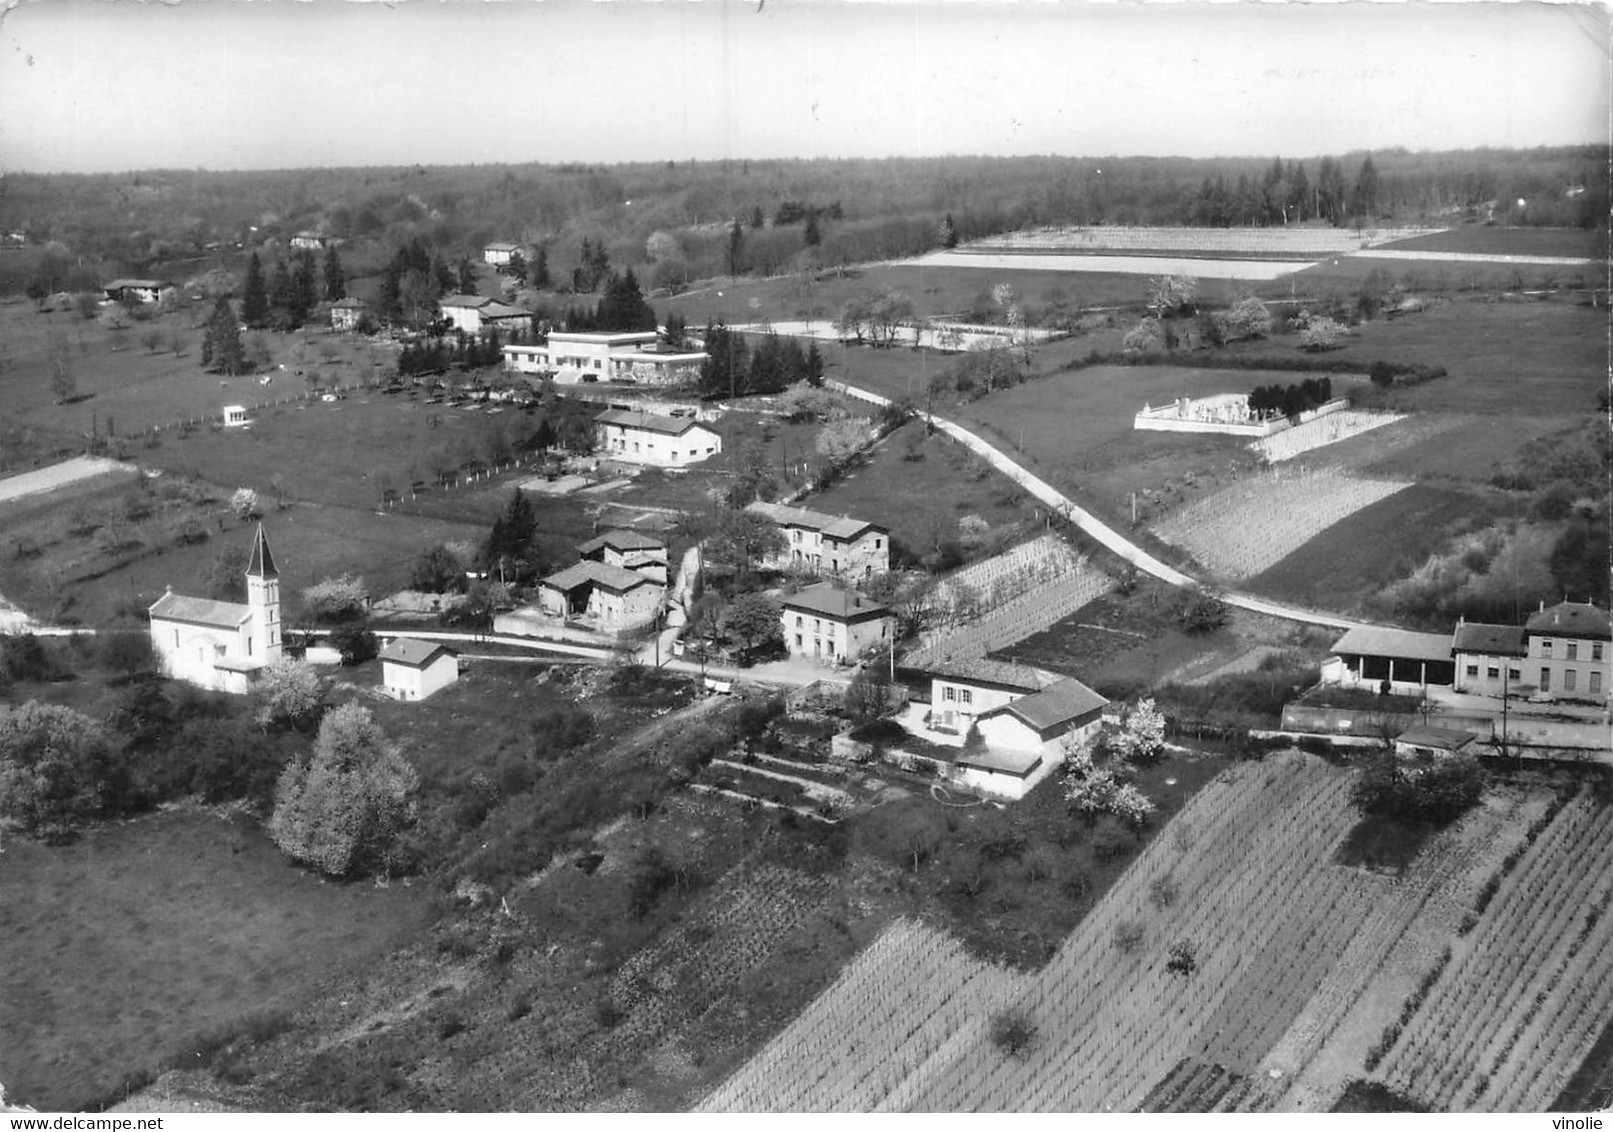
x,y
221,347
335,277
255,297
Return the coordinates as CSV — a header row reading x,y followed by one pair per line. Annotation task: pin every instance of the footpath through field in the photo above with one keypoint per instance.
x,y
1096,527
60,475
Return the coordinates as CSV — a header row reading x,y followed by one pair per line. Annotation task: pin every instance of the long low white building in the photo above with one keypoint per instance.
x,y
635,356
648,438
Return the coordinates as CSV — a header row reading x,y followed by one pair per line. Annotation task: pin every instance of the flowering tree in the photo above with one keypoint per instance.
x,y
1141,737
245,503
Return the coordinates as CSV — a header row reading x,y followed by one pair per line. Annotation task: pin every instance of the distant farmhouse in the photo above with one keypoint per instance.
x,y
660,442
499,254
475,314
222,645
570,358
1564,650
345,314
829,544
140,291
412,670
313,241
629,550
833,625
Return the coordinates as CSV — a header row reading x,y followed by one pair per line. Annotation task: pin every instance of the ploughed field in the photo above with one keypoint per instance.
x,y
1237,964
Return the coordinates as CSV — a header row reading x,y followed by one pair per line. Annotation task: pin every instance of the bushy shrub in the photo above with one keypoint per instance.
x,y
1320,333
1012,1031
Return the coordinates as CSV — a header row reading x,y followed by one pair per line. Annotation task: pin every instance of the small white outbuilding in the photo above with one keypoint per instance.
x,y
412,669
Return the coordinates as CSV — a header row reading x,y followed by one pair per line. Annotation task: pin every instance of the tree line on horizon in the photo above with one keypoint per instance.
x,y
848,210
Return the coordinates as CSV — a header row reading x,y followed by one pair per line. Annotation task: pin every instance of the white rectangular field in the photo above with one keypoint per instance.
x,y
1253,270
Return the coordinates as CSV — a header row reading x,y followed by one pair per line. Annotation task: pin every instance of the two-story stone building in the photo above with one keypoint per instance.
x,y
1568,651
826,544
829,624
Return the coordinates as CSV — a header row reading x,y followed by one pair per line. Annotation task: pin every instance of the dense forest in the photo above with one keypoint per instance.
x,y
686,220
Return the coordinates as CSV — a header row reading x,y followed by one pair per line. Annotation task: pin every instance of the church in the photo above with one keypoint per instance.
x,y
222,645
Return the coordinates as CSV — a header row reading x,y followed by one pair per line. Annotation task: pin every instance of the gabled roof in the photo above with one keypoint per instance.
x,y
1370,640
466,302
589,572
492,308
1571,619
414,653
119,284
835,526
646,422
1444,738
501,246
200,611
1493,640
622,540
825,600
1052,710
985,672
262,562
349,303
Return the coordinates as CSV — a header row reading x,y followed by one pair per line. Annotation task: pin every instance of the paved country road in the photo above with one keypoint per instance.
x,y
1096,527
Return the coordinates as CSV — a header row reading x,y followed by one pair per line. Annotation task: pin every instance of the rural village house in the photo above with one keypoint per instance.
x,y
1023,721
499,253
345,314
413,670
574,357
221,645
829,544
829,624
1568,651
615,599
139,290
647,438
313,241
629,550
477,314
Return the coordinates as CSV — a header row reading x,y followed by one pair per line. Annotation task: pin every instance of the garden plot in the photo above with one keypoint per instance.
x,y
1256,523
1329,429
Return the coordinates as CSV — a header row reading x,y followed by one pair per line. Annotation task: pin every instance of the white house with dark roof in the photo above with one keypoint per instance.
x,y
1024,739
629,550
648,438
221,645
1488,658
834,625
1568,651
313,241
412,669
963,690
140,290
615,599
500,253
477,314
826,544
345,314
571,357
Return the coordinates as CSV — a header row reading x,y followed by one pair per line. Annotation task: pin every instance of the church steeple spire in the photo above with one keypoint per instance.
x,y
262,563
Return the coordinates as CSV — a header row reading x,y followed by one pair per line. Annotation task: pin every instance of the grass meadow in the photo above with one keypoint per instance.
x,y
127,945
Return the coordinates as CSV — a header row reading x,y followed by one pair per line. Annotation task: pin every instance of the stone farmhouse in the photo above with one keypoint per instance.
x,y
826,544
613,598
629,550
412,669
345,314
222,645
648,438
499,253
139,290
833,625
477,314
572,358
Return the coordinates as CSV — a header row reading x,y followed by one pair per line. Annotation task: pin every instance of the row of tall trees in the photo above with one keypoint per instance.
x,y
414,279
732,368
288,296
623,308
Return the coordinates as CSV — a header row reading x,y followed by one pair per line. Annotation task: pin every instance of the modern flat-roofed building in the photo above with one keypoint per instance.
x,y
571,358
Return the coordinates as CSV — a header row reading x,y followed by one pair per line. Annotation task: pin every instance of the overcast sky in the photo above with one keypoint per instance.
x,y
91,85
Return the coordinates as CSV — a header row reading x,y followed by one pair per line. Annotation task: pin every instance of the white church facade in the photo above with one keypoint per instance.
x,y
221,645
